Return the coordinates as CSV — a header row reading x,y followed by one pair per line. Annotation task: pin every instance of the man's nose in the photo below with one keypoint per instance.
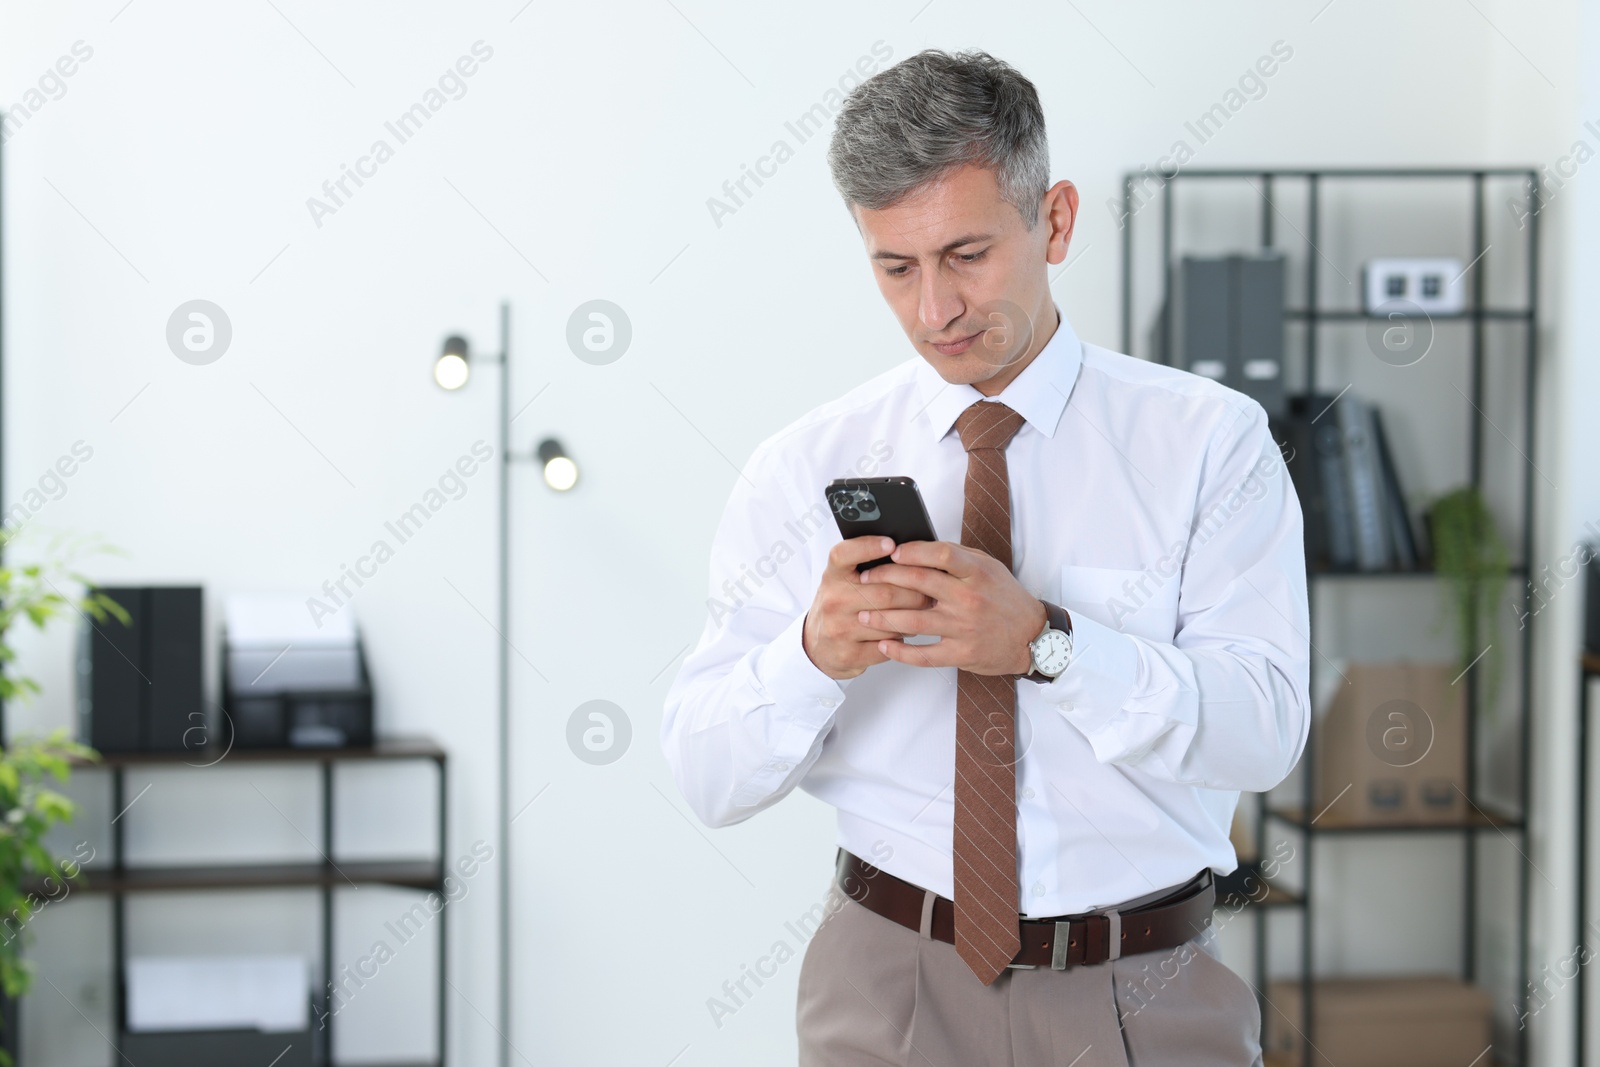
x,y
940,302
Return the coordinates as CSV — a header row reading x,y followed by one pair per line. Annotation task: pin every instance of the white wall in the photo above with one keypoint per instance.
x,y
578,165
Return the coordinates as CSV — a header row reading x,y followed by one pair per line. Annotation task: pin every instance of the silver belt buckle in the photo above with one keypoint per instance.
x,y
1058,951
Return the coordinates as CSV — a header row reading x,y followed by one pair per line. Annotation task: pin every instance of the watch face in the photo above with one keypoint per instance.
x,y
1051,652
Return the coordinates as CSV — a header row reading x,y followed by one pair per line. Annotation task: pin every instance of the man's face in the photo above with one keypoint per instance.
x,y
967,280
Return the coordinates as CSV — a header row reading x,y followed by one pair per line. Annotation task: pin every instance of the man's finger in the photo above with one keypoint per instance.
x,y
866,634
884,595
958,561
843,557
902,621
919,655
863,595
929,581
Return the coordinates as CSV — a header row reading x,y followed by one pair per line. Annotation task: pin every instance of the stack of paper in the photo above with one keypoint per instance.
x,y
267,993
273,645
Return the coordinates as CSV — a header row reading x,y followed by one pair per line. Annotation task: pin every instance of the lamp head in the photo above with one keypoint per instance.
x,y
452,368
560,473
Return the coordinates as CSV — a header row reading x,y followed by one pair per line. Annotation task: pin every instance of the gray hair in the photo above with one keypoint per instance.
x,y
932,112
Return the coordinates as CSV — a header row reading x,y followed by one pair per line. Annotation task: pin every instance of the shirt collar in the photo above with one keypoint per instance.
x,y
1039,394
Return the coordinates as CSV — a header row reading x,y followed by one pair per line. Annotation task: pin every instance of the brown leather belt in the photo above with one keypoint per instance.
x,y
1058,943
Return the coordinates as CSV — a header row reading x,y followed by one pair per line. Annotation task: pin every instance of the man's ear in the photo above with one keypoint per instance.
x,y
1060,209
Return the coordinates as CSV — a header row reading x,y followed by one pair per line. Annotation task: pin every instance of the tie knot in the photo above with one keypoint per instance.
x,y
987,424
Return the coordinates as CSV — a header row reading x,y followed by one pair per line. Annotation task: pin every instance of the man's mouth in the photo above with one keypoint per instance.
x,y
955,348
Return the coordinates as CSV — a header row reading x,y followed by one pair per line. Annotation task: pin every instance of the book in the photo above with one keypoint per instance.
x,y
1402,537
1327,441
1368,511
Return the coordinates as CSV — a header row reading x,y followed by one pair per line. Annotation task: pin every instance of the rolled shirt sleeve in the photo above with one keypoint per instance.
x,y
1225,704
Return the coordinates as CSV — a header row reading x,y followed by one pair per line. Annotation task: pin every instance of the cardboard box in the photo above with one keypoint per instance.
x,y
1396,737
1410,1021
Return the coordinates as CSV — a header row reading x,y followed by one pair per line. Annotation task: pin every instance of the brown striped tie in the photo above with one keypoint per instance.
x,y
985,839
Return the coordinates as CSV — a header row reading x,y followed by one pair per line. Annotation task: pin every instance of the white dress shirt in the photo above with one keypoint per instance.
x,y
1151,503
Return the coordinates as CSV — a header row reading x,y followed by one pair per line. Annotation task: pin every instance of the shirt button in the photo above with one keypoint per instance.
x,y
828,702
1038,889
1027,792
1065,705
780,766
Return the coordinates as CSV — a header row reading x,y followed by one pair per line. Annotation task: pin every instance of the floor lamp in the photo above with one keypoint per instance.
x,y
452,370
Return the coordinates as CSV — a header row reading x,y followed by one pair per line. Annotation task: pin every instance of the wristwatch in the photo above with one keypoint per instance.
x,y
1051,651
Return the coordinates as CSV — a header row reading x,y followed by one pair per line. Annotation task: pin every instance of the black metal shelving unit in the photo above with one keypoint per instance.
x,y
1588,671
119,880
1267,182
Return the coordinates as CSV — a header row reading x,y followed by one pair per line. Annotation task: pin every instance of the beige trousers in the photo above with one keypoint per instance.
x,y
873,992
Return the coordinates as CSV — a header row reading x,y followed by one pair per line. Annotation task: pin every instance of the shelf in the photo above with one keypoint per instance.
x,y
413,874
324,878
1356,315
1423,173
394,748
1516,571
1475,820
1275,1060
1419,572
1513,314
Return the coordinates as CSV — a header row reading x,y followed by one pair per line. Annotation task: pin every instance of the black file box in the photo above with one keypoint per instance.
x,y
140,685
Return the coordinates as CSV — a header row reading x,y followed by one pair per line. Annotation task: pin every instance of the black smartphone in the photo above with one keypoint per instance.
x,y
891,507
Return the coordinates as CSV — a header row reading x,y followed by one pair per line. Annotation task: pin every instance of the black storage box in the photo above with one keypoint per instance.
x,y
140,685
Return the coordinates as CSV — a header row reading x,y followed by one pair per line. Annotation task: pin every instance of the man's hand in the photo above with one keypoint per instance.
x,y
833,635
982,615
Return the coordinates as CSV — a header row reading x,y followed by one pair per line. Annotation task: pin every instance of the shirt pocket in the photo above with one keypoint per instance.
x,y
1142,603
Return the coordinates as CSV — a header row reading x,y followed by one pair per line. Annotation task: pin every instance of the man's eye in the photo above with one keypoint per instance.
x,y
897,272
973,257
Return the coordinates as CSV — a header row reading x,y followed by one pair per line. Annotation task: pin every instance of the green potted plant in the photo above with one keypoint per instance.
x,y
30,876
1472,562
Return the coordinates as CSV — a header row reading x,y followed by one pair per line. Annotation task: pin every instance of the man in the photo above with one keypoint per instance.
x,y
1035,734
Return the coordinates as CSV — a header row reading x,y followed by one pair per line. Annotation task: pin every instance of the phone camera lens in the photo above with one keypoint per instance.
x,y
849,513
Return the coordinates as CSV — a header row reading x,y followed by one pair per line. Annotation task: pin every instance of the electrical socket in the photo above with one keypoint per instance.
x,y
1433,285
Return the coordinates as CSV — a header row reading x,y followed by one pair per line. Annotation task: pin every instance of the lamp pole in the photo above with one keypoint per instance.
x,y
452,372
504,675
503,679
